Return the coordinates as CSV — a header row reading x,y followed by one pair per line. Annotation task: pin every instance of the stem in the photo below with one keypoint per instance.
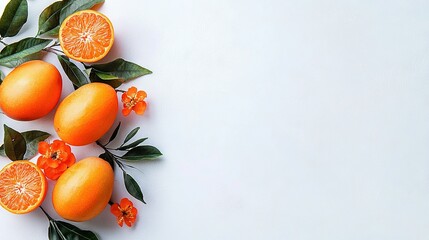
x,y
121,165
101,145
50,50
47,215
121,91
1,41
56,50
111,202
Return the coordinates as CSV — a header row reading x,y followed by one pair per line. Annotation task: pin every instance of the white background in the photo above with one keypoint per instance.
x,y
278,120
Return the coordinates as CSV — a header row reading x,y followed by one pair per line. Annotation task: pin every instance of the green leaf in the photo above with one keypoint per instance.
x,y
32,139
120,69
49,19
109,158
12,55
14,17
105,76
67,231
77,5
76,76
115,132
131,145
14,144
131,134
95,78
2,76
133,187
52,232
142,153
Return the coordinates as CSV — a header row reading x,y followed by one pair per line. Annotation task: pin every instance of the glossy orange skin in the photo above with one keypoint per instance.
x,y
86,114
30,91
83,190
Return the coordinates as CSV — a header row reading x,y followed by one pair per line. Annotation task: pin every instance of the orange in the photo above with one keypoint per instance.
x,y
86,36
83,190
86,114
22,187
30,91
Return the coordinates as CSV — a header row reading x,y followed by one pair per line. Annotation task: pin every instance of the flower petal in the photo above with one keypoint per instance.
x,y
141,94
116,210
125,203
41,162
43,147
140,107
132,91
126,111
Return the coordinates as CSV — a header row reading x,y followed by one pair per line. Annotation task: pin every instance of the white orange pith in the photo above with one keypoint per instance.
x,y
86,36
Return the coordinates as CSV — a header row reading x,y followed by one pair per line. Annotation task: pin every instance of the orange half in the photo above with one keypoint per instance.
x,y
22,187
86,36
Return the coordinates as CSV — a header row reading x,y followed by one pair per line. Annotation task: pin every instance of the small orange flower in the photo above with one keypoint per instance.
x,y
55,159
134,100
124,212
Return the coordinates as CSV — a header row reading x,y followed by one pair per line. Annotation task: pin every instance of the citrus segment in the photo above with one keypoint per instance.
x,y
22,187
86,36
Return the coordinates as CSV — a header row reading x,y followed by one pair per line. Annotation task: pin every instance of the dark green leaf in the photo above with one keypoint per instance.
x,y
77,5
131,145
71,232
12,55
133,187
76,76
120,69
49,19
115,132
52,232
2,153
32,139
14,144
14,17
131,134
105,76
109,158
142,153
95,78
2,76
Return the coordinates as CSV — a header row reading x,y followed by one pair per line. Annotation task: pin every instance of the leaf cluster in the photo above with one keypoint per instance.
x,y
21,146
12,55
133,152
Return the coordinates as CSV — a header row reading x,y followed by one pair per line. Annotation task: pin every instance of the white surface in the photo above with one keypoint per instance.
x,y
279,120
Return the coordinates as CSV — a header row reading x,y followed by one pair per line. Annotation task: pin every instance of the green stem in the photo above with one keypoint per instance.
x,y
49,50
56,50
47,215
101,145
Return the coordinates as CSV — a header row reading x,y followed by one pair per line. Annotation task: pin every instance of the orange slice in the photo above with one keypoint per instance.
x,y
86,36
22,187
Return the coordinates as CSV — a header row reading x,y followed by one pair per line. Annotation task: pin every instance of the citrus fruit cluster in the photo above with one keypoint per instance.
x,y
82,187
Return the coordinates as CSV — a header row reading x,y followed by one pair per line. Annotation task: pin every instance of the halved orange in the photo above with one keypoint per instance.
x,y
86,36
22,187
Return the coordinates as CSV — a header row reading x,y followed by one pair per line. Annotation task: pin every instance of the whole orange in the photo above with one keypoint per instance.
x,y
86,114
83,190
31,90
